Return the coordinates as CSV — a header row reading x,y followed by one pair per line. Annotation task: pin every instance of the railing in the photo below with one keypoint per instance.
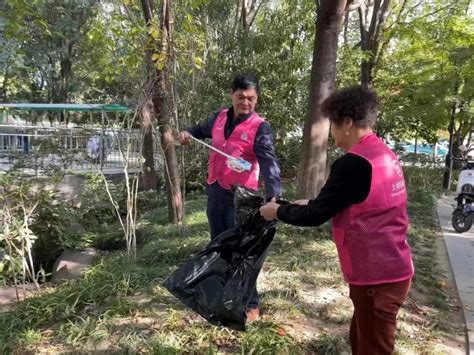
x,y
37,149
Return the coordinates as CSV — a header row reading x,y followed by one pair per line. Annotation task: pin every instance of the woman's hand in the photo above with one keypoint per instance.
x,y
269,211
301,202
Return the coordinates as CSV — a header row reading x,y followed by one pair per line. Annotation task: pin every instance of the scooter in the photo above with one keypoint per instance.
x,y
462,216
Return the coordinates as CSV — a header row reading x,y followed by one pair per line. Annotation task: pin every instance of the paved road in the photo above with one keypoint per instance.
x,y
461,256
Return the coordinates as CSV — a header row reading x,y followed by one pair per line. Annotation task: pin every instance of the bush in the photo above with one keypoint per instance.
x,y
40,221
425,178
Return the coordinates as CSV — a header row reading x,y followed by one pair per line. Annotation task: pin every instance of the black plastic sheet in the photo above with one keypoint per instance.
x,y
218,282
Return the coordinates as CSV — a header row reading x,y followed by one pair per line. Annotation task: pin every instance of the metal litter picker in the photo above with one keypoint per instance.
x,y
237,164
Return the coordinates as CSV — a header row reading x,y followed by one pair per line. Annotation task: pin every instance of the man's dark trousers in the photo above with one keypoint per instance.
x,y
221,215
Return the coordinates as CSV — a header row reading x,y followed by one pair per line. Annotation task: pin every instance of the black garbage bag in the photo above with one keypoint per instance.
x,y
218,282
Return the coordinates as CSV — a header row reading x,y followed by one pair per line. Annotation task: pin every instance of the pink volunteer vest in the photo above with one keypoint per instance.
x,y
240,145
371,237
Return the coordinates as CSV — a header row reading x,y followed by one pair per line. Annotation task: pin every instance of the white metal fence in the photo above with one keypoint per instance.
x,y
38,148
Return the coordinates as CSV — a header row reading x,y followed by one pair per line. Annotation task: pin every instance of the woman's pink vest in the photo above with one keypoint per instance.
x,y
371,236
240,145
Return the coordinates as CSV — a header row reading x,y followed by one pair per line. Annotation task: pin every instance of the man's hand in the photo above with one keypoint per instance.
x,y
184,137
269,210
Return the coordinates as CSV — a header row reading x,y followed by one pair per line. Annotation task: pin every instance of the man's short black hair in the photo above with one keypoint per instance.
x,y
245,82
357,103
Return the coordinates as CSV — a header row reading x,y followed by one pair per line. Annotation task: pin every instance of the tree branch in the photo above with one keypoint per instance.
x,y
253,15
147,10
374,23
436,11
399,15
387,40
381,18
353,5
363,31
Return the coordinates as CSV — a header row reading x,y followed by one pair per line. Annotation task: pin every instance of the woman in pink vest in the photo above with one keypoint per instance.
x,y
366,198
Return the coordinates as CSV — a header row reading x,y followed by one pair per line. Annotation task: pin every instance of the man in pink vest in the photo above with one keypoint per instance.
x,y
366,198
240,132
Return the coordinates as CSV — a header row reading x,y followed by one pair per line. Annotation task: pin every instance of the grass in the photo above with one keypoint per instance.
x,y
121,306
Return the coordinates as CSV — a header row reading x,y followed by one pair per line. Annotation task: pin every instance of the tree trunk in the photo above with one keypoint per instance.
x,y
312,168
400,17
147,115
370,36
159,98
3,88
448,166
249,12
346,27
149,173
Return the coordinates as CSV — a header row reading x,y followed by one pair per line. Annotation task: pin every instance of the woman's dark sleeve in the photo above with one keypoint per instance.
x,y
348,183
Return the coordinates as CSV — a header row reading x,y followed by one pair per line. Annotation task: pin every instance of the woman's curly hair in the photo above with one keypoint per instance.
x,y
360,105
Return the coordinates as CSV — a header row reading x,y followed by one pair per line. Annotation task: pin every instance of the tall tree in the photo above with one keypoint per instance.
x,y
372,17
46,39
249,10
159,35
113,60
56,31
312,170
424,77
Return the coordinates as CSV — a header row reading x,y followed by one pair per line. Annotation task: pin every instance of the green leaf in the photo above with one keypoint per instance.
x,y
154,32
198,62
